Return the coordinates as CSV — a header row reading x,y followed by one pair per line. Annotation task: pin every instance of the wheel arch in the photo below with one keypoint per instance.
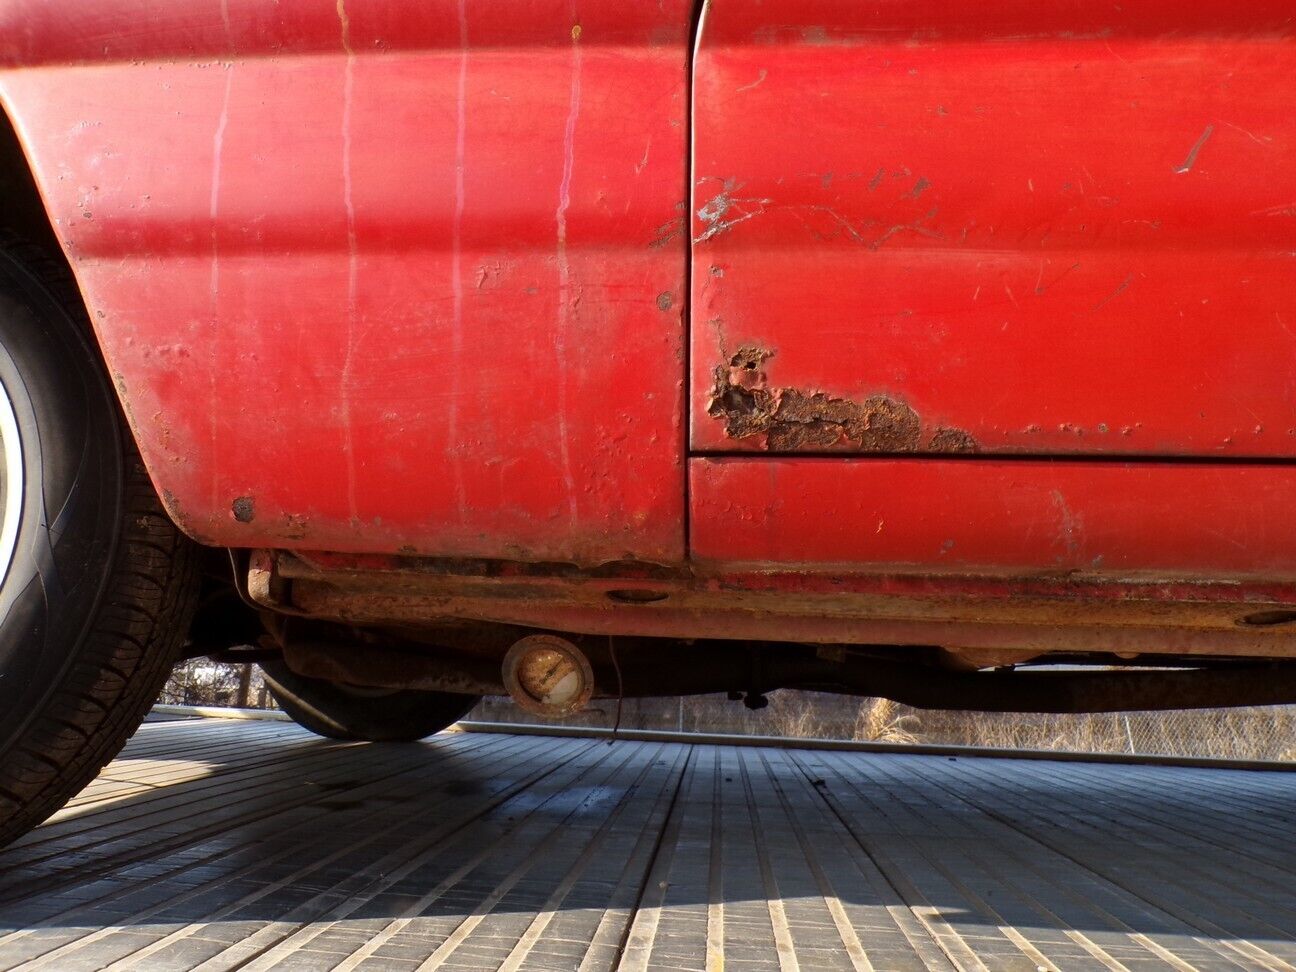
x,y
24,216
22,209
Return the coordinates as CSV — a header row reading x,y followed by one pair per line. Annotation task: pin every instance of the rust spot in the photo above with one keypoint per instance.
x,y
244,509
793,420
665,301
951,440
294,526
172,507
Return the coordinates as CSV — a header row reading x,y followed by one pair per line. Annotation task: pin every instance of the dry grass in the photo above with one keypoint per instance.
x,y
881,720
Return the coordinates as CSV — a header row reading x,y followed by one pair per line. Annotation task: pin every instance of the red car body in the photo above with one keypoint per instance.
x,y
920,322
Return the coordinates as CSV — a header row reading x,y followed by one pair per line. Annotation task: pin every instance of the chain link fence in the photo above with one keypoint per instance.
x,y
1263,733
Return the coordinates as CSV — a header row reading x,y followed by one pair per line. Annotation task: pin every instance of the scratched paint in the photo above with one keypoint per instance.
x,y
724,210
1193,152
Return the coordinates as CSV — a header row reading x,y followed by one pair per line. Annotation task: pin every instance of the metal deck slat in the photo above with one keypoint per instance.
x,y
205,867
1189,891
160,821
254,846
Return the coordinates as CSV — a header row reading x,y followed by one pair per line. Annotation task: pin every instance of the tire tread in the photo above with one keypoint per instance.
x,y
132,641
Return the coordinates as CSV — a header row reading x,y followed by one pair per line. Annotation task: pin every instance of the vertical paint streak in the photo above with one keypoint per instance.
x,y
456,268
565,315
348,90
213,284
213,203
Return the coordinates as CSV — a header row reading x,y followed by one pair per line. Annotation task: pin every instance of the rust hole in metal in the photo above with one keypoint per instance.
x,y
636,595
1267,619
793,420
243,508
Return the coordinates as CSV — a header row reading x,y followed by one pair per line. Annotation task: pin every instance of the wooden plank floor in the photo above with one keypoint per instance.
x,y
214,844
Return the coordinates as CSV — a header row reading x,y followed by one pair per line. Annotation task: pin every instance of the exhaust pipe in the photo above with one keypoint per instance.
x,y
548,675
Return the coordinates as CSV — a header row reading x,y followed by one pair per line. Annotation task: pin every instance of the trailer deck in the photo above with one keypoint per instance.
x,y
220,844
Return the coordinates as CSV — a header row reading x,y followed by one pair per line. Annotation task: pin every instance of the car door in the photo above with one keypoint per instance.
x,y
1057,238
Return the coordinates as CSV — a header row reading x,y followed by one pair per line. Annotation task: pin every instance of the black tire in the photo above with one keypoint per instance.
x,y
360,714
100,586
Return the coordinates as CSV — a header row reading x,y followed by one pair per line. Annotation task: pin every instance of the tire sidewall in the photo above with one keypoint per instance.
x,y
333,711
71,509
